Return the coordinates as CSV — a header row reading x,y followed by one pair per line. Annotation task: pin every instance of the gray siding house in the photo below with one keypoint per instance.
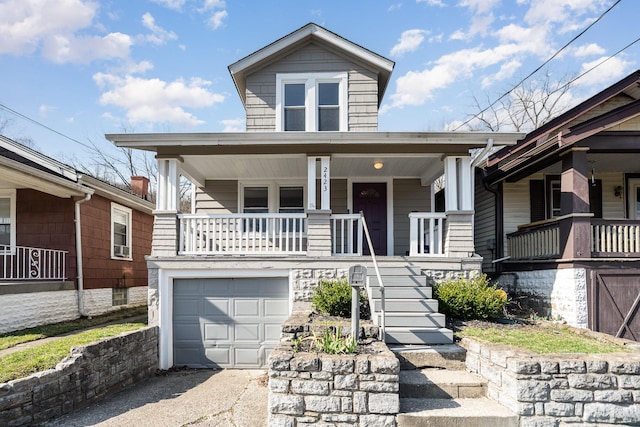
x,y
290,201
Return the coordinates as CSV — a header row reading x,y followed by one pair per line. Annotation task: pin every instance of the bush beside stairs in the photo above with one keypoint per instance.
x,y
435,388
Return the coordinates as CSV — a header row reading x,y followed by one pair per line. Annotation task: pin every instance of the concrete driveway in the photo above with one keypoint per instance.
x,y
222,398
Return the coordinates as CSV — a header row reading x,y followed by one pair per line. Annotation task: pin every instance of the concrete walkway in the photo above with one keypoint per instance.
x,y
222,398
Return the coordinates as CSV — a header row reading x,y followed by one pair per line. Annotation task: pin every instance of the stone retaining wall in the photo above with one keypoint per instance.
x,y
554,390
317,388
90,373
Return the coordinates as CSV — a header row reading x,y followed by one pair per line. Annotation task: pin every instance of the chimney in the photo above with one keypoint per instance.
x,y
140,186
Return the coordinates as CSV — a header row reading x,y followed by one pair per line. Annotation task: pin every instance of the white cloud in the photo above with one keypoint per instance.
x,y
409,41
438,3
605,72
588,50
154,100
506,71
159,35
395,6
564,11
44,109
85,49
216,20
233,125
29,25
171,4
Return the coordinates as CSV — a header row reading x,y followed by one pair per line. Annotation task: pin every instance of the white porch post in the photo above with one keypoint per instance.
x,y
458,207
319,220
165,226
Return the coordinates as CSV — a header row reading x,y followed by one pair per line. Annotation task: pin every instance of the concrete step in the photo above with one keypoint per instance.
x,y
423,305
444,356
402,335
403,292
442,384
399,281
421,320
394,271
482,412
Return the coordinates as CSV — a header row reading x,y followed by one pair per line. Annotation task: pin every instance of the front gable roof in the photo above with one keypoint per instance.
x,y
300,37
572,127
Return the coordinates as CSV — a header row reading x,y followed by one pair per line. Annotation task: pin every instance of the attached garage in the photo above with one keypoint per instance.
x,y
227,322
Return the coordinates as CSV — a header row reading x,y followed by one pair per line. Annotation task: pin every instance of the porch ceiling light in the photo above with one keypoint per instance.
x,y
378,165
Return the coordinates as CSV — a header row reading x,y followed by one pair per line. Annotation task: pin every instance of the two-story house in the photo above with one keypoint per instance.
x,y
280,206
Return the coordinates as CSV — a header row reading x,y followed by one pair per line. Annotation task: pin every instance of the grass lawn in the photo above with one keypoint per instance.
x,y
47,355
12,339
542,339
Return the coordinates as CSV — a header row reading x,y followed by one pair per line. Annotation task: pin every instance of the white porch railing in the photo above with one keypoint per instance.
x,y
278,233
26,263
425,233
610,238
346,234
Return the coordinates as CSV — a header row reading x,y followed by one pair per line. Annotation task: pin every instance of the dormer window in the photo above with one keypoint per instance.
x,y
311,102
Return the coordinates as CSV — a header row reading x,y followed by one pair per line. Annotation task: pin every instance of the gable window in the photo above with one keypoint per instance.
x,y
7,219
120,232
311,102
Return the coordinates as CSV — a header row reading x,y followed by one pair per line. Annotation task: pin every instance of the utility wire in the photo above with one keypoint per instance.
x,y
541,66
22,116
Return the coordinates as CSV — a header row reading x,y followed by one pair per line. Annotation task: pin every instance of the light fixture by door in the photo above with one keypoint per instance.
x,y
378,165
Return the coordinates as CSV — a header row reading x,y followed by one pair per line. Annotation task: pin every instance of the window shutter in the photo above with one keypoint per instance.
x,y
536,200
595,198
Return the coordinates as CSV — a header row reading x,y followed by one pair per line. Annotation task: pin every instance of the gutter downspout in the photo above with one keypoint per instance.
x,y
86,198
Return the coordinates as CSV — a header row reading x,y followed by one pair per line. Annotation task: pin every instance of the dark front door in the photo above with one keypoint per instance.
x,y
371,199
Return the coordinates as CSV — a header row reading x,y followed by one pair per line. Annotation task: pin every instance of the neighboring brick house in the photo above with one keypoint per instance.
x,y
70,245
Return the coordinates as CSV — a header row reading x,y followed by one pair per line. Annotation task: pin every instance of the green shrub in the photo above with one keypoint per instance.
x,y
333,297
470,298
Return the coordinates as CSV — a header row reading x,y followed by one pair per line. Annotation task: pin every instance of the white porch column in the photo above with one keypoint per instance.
x,y
458,207
165,224
311,183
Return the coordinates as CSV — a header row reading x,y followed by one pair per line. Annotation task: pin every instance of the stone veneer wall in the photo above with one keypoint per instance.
x,y
90,373
555,390
323,389
560,293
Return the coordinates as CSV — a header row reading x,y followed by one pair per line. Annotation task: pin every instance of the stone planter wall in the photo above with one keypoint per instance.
x,y
90,373
316,388
554,390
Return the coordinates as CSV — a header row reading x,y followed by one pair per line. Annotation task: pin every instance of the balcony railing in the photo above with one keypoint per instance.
x,y
426,233
540,241
26,263
231,234
615,238
346,234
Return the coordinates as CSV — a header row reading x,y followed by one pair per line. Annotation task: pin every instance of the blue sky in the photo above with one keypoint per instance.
x,y
85,68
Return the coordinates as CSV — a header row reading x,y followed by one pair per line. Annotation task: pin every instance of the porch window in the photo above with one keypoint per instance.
x,y
120,232
7,218
291,200
256,200
311,102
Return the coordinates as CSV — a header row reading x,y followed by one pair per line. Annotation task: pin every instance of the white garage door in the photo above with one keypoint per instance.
x,y
227,323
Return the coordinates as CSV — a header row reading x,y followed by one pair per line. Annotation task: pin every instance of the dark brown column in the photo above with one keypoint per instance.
x,y
575,225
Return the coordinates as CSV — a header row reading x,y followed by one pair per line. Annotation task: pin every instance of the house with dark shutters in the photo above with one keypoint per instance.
x,y
558,213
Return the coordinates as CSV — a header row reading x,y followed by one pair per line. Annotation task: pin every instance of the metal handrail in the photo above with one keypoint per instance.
x,y
375,267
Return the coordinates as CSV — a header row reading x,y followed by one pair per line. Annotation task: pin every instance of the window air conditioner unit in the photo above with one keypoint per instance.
x,y
120,251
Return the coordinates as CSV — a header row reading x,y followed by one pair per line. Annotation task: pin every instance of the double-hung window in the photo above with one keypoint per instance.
x,y
120,232
311,102
275,197
7,219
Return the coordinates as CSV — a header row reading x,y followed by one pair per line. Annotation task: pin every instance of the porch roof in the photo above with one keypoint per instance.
x,y
275,155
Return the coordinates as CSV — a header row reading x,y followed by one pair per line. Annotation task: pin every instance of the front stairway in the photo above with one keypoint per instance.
x,y
411,314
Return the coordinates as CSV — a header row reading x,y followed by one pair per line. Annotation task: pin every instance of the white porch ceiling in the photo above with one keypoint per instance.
x,y
202,168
